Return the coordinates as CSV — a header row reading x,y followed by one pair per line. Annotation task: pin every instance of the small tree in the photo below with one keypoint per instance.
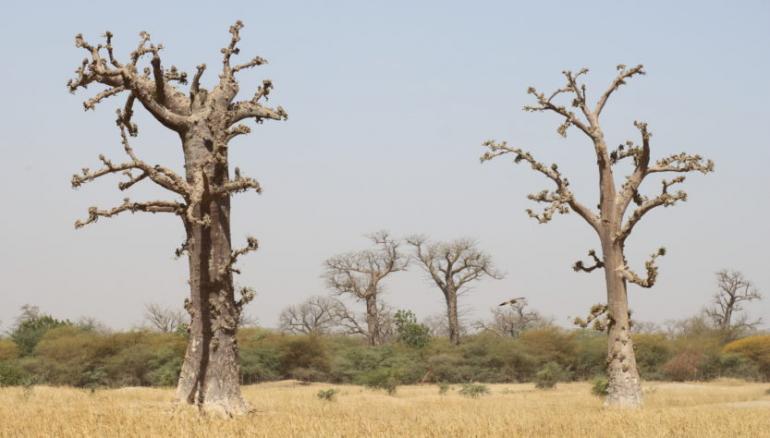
x,y
453,266
164,320
30,327
360,275
613,222
409,331
206,121
316,315
513,319
733,291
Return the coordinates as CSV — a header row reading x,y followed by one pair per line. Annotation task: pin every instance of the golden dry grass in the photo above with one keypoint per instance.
x,y
285,409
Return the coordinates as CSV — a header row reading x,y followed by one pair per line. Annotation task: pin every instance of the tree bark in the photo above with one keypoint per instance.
x,y
210,372
624,383
454,325
372,320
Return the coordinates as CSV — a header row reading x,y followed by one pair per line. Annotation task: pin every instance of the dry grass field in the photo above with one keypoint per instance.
x,y
286,409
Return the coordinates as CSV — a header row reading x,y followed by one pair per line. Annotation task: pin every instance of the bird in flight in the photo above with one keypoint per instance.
x,y
512,301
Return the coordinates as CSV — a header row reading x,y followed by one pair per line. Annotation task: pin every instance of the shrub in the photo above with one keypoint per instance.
x,y
599,386
683,366
328,394
8,350
382,378
549,376
12,375
473,390
756,349
31,327
443,388
409,332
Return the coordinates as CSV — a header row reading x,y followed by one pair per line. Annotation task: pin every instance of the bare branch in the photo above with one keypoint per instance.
x,y
665,199
559,199
252,244
683,162
651,268
150,207
579,266
623,74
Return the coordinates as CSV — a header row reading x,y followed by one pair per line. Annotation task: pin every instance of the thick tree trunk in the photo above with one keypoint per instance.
x,y
454,324
210,372
372,320
624,383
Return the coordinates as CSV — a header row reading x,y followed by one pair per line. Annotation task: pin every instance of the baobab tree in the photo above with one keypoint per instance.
x,y
163,319
360,275
452,266
734,289
613,222
512,319
206,121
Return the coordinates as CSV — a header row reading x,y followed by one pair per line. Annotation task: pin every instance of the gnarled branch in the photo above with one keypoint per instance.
x,y
579,266
95,213
650,267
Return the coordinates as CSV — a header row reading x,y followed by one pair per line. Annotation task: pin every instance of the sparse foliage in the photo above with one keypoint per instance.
x,y
316,315
473,390
163,319
512,320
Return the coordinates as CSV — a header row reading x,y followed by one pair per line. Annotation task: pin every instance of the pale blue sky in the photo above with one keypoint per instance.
x,y
388,102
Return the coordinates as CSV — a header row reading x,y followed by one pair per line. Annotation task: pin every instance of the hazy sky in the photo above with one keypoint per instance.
x,y
388,103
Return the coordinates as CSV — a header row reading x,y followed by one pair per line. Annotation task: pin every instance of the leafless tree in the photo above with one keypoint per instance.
x,y
163,319
316,315
206,121
453,266
733,291
512,320
360,275
613,222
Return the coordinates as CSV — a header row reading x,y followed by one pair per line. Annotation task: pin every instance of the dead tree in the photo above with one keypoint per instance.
x,y
613,222
162,319
453,266
316,315
360,275
733,290
206,121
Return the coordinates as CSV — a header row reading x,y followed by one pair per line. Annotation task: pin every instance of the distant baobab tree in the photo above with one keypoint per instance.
x,y
163,319
452,266
611,222
316,315
206,121
360,275
734,289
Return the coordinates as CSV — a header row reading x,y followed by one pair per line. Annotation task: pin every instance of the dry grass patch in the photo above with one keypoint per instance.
x,y
285,409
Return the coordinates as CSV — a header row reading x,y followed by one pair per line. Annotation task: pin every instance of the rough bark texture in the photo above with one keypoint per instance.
x,y
452,266
205,121
360,274
613,222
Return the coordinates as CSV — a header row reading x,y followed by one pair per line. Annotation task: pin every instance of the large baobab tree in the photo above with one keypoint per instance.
x,y
206,120
360,274
614,221
734,289
453,266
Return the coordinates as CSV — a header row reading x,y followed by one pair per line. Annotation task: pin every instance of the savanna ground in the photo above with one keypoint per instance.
x,y
723,408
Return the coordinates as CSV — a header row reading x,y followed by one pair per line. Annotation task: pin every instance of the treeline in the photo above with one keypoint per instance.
x,y
44,350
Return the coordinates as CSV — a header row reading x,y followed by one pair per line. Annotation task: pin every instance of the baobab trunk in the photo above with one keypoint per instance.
x,y
210,373
372,320
624,388
454,325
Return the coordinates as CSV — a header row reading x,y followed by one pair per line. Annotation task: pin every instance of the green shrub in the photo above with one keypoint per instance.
x,y
409,332
599,386
31,327
12,375
473,390
8,350
383,378
443,388
549,376
328,394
